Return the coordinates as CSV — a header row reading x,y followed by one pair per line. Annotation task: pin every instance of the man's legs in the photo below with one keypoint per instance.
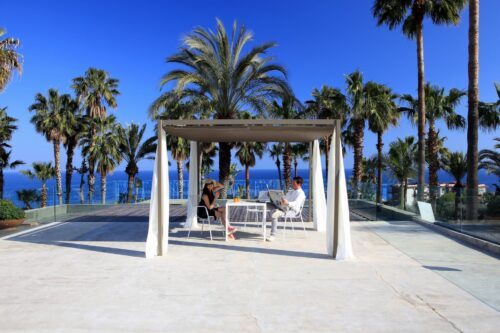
x,y
276,215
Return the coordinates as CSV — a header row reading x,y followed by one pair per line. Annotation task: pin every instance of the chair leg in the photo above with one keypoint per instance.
x,y
303,224
209,229
202,225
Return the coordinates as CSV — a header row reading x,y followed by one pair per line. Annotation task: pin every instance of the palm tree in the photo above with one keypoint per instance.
x,y
207,161
82,170
455,164
217,71
53,118
103,149
7,126
74,130
94,91
410,15
328,103
179,148
247,154
290,108
360,109
133,150
369,170
473,112
10,60
27,197
489,160
43,172
489,113
439,106
275,152
299,151
384,114
401,161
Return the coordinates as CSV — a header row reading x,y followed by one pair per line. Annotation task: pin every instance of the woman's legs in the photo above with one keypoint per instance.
x,y
220,213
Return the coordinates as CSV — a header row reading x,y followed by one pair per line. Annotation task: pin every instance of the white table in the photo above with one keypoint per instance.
x,y
230,204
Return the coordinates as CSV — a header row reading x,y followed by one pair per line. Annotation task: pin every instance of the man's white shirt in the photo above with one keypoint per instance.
x,y
296,199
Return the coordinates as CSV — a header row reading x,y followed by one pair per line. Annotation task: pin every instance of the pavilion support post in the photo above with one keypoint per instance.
x,y
338,222
318,189
157,240
310,210
192,218
200,167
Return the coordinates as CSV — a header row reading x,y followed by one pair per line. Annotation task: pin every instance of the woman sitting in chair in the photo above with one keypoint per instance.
x,y
209,195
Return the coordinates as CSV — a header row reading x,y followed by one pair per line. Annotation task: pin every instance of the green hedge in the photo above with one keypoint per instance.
x,y
10,212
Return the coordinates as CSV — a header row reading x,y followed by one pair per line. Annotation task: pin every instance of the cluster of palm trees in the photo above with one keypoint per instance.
x,y
217,79
83,122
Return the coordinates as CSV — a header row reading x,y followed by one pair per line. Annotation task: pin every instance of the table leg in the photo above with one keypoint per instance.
x,y
227,221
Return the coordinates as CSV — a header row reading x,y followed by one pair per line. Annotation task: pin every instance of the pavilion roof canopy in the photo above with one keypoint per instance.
x,y
247,130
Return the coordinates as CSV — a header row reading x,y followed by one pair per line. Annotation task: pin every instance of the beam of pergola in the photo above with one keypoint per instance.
x,y
250,130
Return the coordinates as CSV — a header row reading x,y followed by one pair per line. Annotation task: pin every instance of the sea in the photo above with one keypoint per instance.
x,y
117,184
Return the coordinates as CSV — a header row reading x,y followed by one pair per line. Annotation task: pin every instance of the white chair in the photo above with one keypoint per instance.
x,y
203,220
291,215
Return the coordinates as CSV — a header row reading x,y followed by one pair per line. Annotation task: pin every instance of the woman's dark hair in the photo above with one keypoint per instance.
x,y
299,180
205,187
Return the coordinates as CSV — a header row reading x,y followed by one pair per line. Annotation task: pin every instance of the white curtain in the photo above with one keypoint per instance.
x,y
318,189
192,203
337,219
157,241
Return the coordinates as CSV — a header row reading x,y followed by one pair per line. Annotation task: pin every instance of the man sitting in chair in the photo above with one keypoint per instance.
x,y
293,201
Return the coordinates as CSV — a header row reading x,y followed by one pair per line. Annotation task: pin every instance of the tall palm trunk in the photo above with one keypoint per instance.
x,y
103,188
327,149
287,166
295,163
91,175
421,105
43,195
472,115
247,180
402,195
57,159
224,167
130,186
1,183
91,182
180,179
359,127
433,164
380,145
405,191
82,182
69,168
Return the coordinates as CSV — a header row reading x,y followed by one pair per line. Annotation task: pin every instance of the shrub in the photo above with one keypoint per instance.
x,y
10,212
493,206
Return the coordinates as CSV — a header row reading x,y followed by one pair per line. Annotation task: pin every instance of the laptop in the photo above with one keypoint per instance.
x,y
275,196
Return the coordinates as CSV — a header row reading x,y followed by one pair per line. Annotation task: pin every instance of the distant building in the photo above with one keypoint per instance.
x,y
411,191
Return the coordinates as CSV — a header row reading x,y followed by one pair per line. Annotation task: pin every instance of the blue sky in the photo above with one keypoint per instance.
x,y
318,42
